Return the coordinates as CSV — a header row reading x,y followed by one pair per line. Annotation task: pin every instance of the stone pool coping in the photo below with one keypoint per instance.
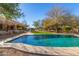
x,y
40,49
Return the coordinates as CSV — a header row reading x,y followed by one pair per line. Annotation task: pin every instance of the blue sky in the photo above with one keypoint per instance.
x,y
38,11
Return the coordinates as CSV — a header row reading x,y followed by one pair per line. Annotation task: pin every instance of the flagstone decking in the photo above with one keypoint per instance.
x,y
57,51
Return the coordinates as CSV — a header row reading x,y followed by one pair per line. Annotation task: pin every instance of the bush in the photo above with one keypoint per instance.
x,y
68,29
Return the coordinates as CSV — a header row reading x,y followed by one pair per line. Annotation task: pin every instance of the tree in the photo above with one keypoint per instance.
x,y
25,23
36,24
60,19
10,10
57,12
74,22
55,18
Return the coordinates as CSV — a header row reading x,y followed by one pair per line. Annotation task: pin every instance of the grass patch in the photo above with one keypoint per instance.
x,y
37,33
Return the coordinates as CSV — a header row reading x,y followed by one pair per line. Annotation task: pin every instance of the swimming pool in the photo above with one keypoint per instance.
x,y
48,40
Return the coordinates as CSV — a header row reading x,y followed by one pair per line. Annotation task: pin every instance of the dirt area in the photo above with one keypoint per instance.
x,y
14,52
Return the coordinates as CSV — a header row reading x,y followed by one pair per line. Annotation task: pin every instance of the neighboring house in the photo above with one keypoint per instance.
x,y
76,30
6,25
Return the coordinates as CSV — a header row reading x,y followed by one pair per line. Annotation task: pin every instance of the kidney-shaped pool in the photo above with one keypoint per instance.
x,y
48,40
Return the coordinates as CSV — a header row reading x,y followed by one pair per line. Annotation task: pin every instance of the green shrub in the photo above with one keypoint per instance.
x,y
68,29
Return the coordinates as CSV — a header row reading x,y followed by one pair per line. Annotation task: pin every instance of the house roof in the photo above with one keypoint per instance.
x,y
9,22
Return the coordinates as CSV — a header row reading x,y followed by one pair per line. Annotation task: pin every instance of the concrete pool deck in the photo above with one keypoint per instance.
x,y
60,51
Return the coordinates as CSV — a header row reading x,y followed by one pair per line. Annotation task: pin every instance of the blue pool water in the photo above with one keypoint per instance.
x,y
48,40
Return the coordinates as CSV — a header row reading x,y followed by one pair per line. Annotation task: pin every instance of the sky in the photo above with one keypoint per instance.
x,y
38,11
